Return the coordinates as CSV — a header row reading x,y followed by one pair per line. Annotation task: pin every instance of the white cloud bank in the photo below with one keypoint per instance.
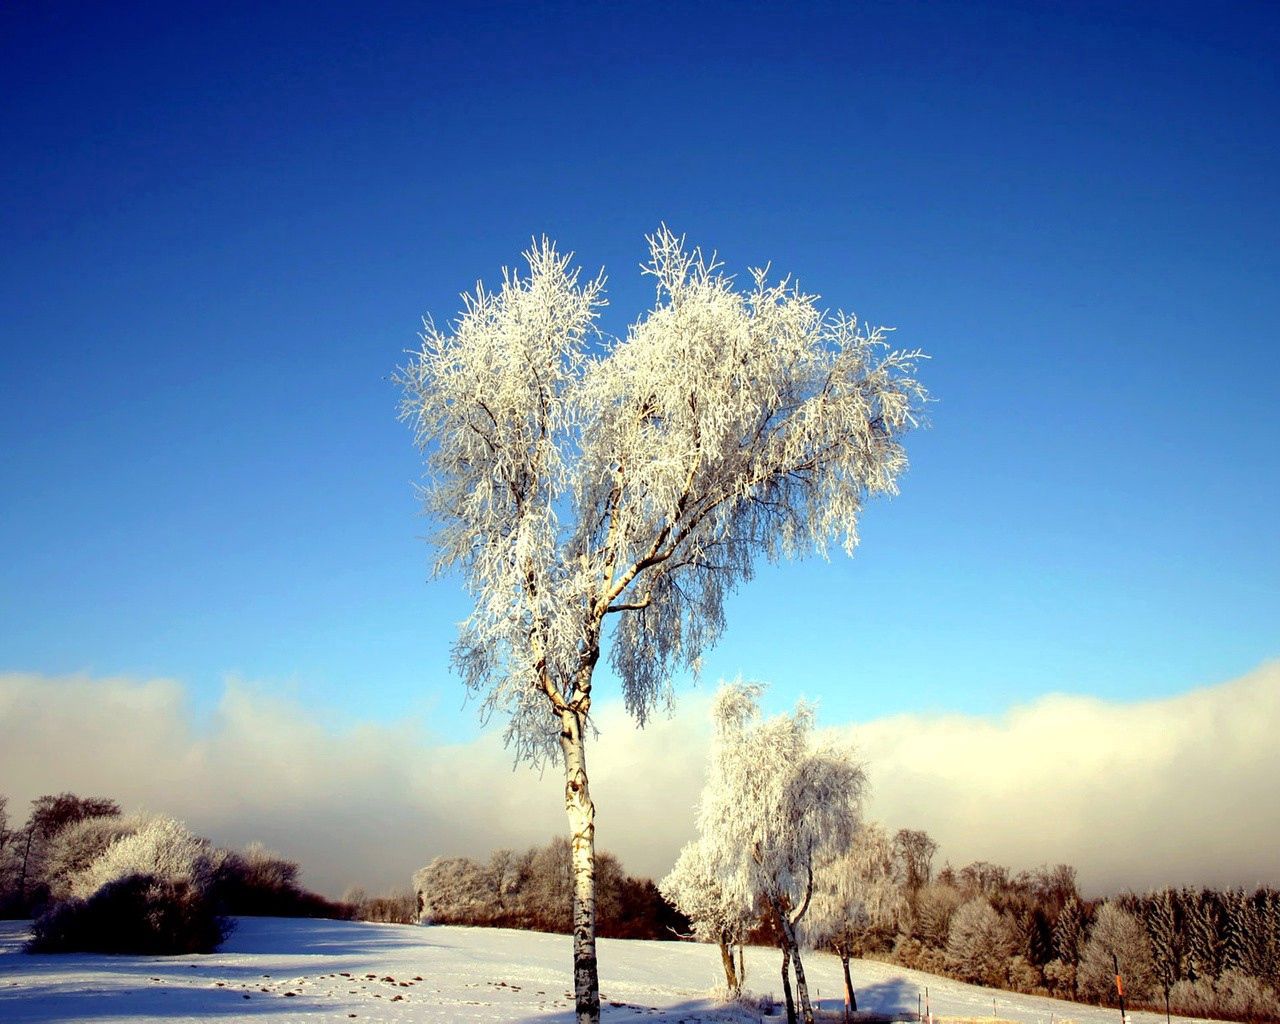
x,y
1181,789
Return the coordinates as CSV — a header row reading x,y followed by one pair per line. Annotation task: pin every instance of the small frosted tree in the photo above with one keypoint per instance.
x,y
980,943
1117,937
716,913
775,807
855,894
577,480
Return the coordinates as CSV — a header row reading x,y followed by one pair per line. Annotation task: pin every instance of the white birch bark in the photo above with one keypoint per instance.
x,y
582,830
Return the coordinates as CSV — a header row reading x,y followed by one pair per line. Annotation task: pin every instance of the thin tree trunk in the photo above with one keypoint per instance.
x,y
26,856
742,967
786,981
730,975
582,830
802,987
850,996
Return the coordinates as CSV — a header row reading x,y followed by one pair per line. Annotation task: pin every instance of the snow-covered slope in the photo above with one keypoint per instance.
x,y
296,970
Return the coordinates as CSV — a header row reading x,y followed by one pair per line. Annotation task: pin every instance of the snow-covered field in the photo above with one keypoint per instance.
x,y
296,970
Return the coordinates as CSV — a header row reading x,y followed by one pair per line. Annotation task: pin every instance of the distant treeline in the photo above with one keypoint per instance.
x,y
1199,952
533,889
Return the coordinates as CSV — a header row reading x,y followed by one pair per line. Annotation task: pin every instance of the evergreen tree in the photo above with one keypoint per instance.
x,y
1162,929
1035,940
1269,912
1237,951
1201,934
1068,935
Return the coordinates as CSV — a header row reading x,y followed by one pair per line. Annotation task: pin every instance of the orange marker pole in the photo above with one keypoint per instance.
x,y
1119,988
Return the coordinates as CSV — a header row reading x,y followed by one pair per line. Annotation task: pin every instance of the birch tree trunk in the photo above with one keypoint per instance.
x,y
793,950
730,975
582,830
850,997
786,982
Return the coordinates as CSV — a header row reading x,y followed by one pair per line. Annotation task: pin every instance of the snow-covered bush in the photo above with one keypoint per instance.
x,y
1060,976
454,890
1233,996
915,954
163,849
148,892
133,914
76,847
1023,975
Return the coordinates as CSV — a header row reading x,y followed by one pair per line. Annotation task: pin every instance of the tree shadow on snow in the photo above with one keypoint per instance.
x,y
276,954
894,996
691,1011
44,1003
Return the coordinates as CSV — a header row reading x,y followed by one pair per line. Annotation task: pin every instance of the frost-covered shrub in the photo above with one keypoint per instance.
x,y
133,914
455,890
1060,976
915,954
163,849
148,892
1023,975
1244,997
73,850
1233,996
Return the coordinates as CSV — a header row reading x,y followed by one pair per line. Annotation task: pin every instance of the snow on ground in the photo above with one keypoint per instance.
x,y
300,970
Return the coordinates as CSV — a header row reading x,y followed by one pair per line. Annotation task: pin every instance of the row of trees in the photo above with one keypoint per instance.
x,y
1193,951
533,889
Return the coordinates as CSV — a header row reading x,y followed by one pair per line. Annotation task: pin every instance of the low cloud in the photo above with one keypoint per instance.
x,y
368,805
1133,794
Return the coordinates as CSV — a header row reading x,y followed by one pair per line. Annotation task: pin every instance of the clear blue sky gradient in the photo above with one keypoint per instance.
x,y
220,227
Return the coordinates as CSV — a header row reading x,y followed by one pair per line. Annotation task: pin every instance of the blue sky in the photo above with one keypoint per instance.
x,y
221,225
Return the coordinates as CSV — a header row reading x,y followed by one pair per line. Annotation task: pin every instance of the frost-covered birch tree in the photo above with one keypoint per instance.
x,y
775,806
855,893
577,480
